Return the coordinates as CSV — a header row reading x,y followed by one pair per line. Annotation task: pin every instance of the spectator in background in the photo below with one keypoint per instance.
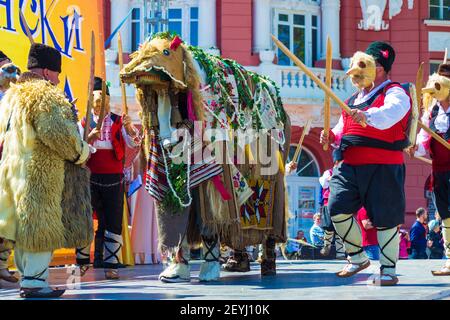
x,y
369,235
405,243
435,241
316,232
419,235
301,236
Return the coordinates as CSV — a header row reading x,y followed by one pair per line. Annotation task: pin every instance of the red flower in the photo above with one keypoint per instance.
x,y
385,53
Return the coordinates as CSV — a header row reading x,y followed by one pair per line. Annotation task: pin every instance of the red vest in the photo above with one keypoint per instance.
x,y
361,155
439,153
109,161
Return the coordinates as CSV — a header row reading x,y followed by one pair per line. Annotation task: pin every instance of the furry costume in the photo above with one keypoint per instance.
x,y
44,198
224,95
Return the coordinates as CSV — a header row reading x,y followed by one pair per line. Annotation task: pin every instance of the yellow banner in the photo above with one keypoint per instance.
x,y
63,24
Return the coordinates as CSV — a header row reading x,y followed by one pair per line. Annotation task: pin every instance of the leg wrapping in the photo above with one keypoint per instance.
x,y
389,242
348,230
210,269
328,238
83,255
340,250
113,244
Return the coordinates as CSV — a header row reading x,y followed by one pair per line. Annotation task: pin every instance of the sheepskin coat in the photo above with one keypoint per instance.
x,y
44,194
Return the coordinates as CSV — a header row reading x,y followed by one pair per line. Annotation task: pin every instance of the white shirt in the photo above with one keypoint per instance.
x,y
324,180
441,123
396,106
105,141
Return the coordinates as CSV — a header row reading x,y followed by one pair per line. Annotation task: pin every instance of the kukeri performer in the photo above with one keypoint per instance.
x,y
437,118
43,203
8,74
372,173
107,179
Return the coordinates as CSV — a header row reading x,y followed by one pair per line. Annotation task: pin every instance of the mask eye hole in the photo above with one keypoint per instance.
x,y
361,64
437,86
166,52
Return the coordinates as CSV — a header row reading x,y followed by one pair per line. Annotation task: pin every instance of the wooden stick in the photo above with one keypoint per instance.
x,y
300,142
428,161
434,135
122,85
27,29
90,89
326,106
445,56
313,77
102,110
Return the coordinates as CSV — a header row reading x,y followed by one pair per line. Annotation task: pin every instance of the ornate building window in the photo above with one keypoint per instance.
x,y
184,21
299,31
135,29
440,9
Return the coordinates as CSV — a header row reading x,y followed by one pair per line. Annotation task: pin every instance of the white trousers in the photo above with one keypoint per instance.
x,y
33,268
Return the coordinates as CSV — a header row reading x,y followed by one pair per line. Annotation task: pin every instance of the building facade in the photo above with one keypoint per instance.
x,y
419,30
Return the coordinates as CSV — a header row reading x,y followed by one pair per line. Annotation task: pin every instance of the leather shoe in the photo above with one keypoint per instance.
x,y
41,293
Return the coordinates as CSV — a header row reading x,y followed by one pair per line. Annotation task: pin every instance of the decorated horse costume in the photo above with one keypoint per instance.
x,y
217,138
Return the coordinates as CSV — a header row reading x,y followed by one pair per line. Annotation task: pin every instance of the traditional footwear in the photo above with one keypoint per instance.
x,y
175,273
7,276
325,251
445,271
83,269
239,262
353,268
41,293
385,280
112,274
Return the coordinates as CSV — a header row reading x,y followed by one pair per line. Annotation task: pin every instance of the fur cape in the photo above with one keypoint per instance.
x,y
44,195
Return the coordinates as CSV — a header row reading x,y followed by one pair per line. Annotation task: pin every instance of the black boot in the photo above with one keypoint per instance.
x,y
268,264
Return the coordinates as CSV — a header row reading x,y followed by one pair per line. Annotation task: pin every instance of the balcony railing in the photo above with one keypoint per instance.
x,y
296,84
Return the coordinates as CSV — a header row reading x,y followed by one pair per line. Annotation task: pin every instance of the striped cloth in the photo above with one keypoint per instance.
x,y
156,178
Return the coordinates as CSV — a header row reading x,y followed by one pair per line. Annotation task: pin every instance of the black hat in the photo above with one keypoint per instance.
x,y
44,57
444,70
98,85
3,56
383,53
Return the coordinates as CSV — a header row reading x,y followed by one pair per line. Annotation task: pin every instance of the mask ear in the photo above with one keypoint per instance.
x,y
175,43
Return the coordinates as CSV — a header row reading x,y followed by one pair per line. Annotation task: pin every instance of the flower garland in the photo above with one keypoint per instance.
x,y
178,176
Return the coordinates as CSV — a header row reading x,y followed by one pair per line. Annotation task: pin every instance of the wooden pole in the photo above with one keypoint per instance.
x,y
27,28
122,85
313,77
428,161
90,89
434,135
326,106
300,142
445,56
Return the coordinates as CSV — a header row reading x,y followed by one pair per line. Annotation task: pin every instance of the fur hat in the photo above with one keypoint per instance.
x,y
44,57
3,56
444,70
98,85
383,53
